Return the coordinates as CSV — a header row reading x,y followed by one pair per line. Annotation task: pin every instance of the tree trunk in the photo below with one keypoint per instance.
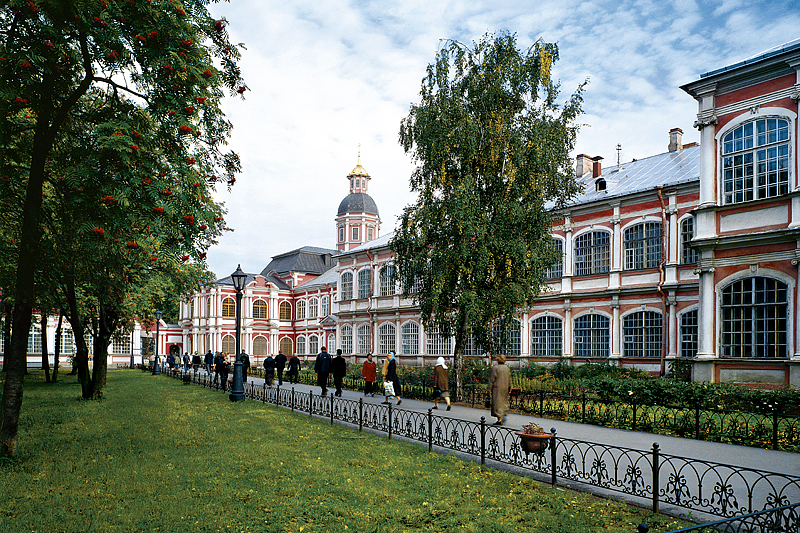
x,y
7,310
81,358
45,355
458,354
108,321
57,350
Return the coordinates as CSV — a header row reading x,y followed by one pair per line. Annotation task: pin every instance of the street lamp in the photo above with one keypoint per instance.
x,y
237,392
156,369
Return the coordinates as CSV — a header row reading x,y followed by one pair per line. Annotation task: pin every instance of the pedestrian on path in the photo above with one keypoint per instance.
x,y
369,372
500,384
218,367
196,361
186,362
441,383
322,366
223,371
294,369
245,359
392,377
209,362
280,364
339,369
269,370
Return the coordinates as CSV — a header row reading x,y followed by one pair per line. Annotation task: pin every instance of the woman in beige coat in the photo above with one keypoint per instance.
x,y
500,384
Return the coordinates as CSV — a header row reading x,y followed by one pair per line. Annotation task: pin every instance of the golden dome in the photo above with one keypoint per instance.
x,y
358,171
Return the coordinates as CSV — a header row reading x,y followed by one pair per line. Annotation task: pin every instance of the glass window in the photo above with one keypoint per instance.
x,y
121,343
323,304
228,344
755,161
313,344
260,309
592,253
387,280
592,334
341,234
285,312
755,318
365,283
364,338
35,339
313,308
436,343
387,338
228,308
410,338
286,346
347,286
355,232
688,254
546,336
512,343
642,334
556,270
67,341
471,347
643,246
208,306
301,312
347,340
260,346
301,345
689,342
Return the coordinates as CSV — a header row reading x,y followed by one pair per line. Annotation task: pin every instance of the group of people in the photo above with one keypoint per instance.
x,y
278,364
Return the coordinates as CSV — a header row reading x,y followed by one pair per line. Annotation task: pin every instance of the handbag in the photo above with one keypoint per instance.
x,y
437,392
487,403
388,388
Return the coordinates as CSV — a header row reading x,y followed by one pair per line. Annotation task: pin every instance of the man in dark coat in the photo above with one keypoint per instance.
x,y
339,368
269,370
223,369
245,359
294,369
280,364
218,367
209,362
322,367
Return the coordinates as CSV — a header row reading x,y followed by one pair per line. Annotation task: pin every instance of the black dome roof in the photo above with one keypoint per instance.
x,y
358,202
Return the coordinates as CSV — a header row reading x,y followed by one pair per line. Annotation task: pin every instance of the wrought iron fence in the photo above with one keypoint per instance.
x,y
694,484
784,519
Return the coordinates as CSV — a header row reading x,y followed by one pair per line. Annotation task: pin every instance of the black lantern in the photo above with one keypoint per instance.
x,y
156,369
237,392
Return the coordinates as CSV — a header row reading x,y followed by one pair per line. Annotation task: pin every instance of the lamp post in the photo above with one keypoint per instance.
x,y
237,392
156,369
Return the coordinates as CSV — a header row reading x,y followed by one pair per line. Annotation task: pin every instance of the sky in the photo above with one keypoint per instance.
x,y
331,79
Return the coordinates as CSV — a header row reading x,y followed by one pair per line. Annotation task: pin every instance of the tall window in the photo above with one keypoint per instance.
x,y
512,342
260,309
556,270
755,160
323,304
591,334
387,280
122,343
285,312
228,344
365,283
370,234
754,318
643,246
346,343
546,335
208,306
641,332
471,346
191,308
301,345
313,344
387,338
228,308
260,346
35,339
67,341
355,233
592,252
341,234
410,338
688,254
689,343
301,311
364,338
347,286
436,343
313,308
286,346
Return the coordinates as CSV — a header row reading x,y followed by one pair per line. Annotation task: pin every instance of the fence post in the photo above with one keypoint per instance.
x,y
360,414
634,413
697,420
583,407
483,440
310,402
390,421
331,409
292,400
656,468
775,427
541,401
553,457
430,429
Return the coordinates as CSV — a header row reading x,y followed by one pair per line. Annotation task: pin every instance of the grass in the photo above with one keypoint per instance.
x,y
156,455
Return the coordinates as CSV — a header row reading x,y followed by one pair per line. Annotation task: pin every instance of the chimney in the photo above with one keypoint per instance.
x,y
582,164
675,142
596,166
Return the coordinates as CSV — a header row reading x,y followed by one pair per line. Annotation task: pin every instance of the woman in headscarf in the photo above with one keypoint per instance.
x,y
441,383
391,376
500,384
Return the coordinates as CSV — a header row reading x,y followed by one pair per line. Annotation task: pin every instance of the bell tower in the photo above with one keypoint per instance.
x,y
357,220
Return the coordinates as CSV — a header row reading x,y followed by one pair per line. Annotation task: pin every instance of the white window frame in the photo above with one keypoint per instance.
x,y
387,338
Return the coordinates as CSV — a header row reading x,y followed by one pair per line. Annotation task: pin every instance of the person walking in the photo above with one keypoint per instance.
x,y
369,372
500,384
223,371
294,369
339,369
280,364
217,367
322,366
245,359
269,370
209,362
392,377
441,383
171,361
196,361
186,362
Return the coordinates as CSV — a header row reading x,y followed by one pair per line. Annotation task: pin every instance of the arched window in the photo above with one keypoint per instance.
x,y
641,333
208,306
228,344
121,343
689,342
512,343
755,160
592,253
313,308
471,346
755,318
286,346
67,341
688,254
387,338
331,340
191,308
436,343
546,336
323,306
260,346
228,308
346,285
364,338
592,334
35,339
301,313
643,246
387,280
301,345
410,338
346,343
365,283
260,309
313,344
556,270
285,312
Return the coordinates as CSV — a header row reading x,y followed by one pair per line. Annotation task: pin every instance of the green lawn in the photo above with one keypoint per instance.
x,y
157,455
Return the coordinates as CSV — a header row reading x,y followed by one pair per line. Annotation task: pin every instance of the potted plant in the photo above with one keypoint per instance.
x,y
533,438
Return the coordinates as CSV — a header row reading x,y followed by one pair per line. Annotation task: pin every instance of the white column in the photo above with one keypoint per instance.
x,y
706,333
567,340
672,327
616,329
